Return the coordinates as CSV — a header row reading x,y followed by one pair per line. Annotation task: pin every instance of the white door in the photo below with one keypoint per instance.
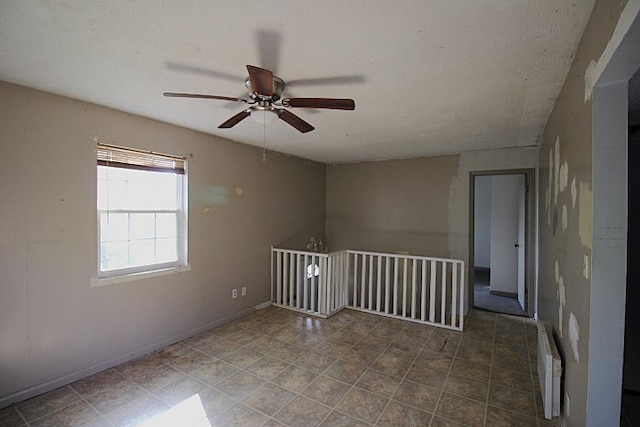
x,y
507,236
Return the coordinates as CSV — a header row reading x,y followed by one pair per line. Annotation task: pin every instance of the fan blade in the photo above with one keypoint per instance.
x,y
234,120
197,95
295,121
331,103
261,80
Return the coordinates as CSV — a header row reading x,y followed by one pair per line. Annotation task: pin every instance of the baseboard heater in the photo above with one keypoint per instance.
x,y
549,371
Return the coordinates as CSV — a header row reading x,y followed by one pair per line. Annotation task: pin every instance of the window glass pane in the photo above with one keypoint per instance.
x,y
113,255
142,252
142,226
166,250
114,227
166,225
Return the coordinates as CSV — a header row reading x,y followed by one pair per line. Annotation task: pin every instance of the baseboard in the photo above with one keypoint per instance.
x,y
263,305
91,370
504,294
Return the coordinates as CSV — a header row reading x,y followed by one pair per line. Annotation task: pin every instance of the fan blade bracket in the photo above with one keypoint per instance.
x,y
328,103
202,96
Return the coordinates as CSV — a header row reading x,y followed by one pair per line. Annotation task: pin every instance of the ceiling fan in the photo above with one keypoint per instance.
x,y
266,105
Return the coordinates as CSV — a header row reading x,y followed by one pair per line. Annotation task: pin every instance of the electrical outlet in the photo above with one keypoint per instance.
x,y
234,293
244,291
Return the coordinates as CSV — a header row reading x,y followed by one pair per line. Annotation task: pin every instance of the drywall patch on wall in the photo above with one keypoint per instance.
x,y
574,193
590,77
556,171
562,299
585,267
564,176
574,336
564,218
549,188
585,217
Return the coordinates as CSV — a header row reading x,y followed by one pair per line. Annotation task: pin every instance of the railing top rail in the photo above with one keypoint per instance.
x,y
293,251
414,257
349,251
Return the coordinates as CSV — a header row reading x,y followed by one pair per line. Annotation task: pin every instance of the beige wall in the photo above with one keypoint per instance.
x,y
393,206
53,326
566,217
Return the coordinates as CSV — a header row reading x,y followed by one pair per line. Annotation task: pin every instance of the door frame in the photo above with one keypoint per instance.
x,y
529,235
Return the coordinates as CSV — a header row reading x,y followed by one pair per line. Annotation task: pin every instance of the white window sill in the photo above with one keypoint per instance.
x,y
98,281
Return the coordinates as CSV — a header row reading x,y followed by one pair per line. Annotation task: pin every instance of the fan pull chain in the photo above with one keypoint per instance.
x,y
264,142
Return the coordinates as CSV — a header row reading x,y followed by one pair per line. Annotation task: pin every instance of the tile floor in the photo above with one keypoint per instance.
x,y
280,368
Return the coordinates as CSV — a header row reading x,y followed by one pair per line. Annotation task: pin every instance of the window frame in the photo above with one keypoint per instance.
x,y
152,160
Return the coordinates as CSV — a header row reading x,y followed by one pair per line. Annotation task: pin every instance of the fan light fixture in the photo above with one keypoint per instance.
x,y
264,116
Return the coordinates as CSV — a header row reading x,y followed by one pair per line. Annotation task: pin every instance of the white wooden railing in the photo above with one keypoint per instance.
x,y
421,289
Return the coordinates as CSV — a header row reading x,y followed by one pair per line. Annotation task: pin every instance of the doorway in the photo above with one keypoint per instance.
x,y
499,258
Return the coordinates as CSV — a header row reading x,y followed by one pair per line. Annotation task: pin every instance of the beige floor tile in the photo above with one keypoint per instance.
x,y
302,412
392,365
157,378
294,378
269,398
344,371
137,411
267,367
379,383
466,387
77,413
363,405
396,414
47,403
239,415
215,372
511,399
9,417
340,419
193,361
420,396
360,356
315,361
512,379
326,390
243,357
497,417
239,384
180,390
462,410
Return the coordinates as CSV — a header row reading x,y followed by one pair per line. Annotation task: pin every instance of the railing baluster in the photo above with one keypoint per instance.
x,y
395,285
363,279
387,283
454,293
355,280
370,282
443,302
305,288
423,294
279,297
461,284
379,284
414,278
404,287
432,292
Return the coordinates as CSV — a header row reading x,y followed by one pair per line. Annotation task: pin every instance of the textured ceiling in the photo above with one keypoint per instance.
x,y
429,77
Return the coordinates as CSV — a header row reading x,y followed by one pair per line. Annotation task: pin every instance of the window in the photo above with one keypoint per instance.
x,y
142,222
